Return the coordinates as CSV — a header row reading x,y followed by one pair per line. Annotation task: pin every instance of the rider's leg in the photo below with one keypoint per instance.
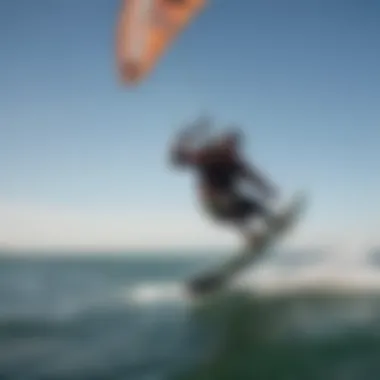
x,y
250,218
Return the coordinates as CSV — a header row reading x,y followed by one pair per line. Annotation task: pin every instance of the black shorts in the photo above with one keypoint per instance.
x,y
234,207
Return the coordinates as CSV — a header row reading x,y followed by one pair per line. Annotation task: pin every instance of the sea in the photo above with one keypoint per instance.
x,y
129,317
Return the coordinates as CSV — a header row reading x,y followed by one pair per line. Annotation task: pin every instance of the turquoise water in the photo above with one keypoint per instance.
x,y
128,318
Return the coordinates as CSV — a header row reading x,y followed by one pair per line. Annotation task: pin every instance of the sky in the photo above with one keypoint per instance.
x,y
83,159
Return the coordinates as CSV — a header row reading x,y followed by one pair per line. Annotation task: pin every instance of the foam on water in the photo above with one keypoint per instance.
x,y
323,278
151,293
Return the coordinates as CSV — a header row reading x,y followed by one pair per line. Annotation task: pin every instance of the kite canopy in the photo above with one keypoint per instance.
x,y
145,30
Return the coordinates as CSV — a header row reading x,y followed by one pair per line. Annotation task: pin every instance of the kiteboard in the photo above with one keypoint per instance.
x,y
277,226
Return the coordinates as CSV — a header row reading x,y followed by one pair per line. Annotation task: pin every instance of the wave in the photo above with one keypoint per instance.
x,y
269,282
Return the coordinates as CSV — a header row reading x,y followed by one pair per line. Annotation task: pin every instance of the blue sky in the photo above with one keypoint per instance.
x,y
83,159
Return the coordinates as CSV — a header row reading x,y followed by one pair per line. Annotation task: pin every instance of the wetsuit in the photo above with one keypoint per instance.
x,y
219,172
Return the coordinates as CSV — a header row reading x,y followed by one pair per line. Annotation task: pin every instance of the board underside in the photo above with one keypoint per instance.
x,y
215,280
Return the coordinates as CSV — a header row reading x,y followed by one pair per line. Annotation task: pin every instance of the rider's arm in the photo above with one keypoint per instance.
x,y
183,152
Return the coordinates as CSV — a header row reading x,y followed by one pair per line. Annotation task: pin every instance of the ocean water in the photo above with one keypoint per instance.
x,y
129,318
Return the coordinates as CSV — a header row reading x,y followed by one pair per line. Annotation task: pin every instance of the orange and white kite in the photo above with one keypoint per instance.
x,y
145,30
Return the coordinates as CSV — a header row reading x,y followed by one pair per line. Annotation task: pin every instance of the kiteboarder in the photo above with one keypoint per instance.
x,y
220,168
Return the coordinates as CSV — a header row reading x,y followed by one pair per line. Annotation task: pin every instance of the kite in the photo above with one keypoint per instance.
x,y
145,30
